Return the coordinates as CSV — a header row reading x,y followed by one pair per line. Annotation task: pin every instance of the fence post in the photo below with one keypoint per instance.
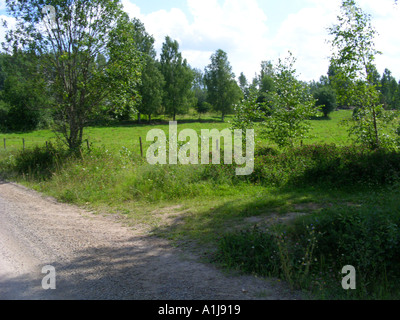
x,y
141,146
87,143
5,148
23,144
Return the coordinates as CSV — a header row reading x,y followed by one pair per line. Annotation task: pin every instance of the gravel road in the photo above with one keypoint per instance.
x,y
97,257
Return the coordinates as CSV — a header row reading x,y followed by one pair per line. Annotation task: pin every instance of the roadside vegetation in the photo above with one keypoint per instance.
x,y
325,188
342,198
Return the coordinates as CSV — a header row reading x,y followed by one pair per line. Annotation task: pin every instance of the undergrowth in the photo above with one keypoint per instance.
x,y
308,254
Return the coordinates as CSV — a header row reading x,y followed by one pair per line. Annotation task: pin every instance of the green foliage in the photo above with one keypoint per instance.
x,y
4,108
266,82
178,79
40,162
243,84
311,252
289,107
24,95
251,251
222,88
151,89
326,100
270,252
246,112
200,92
204,107
390,91
152,80
367,238
79,82
355,79
364,127
326,165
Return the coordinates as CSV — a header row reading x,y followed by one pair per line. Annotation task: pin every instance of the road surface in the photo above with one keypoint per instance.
x,y
96,257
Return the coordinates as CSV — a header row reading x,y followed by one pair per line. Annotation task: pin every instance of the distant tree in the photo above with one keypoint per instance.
x,y
3,72
223,90
267,70
340,85
243,84
151,88
388,88
397,97
152,80
204,107
200,92
374,76
178,78
69,36
23,92
326,99
266,81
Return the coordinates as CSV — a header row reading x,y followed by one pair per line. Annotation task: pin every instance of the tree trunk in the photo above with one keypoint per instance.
x,y
139,118
75,138
149,118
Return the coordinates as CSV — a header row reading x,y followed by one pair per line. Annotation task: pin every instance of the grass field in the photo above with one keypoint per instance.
x,y
193,206
115,137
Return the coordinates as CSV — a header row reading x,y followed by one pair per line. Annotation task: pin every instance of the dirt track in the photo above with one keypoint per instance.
x,y
96,257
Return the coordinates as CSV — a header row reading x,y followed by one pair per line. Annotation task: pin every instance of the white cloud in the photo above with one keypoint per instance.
x,y
305,33
386,20
235,26
242,29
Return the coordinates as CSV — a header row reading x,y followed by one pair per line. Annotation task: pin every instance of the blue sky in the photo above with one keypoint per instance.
x,y
251,31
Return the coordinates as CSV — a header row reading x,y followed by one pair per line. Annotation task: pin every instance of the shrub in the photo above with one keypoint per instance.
x,y
251,251
322,244
327,165
39,162
326,100
367,238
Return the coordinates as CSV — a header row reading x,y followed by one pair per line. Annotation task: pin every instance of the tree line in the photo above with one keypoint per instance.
x,y
106,69
87,61
281,105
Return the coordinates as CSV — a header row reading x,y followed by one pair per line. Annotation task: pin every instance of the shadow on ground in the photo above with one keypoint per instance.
x,y
142,268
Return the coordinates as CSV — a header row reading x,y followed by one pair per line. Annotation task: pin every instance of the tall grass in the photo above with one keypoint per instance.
x,y
308,254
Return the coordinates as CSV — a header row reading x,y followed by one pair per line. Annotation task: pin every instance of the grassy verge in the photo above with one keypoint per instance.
x,y
251,224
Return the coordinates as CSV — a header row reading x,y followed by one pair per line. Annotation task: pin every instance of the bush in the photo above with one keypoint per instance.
x,y
39,162
367,238
204,107
326,100
251,251
322,244
326,165
4,108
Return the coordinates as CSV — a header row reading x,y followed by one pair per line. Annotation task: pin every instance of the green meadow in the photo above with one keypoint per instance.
x,y
114,138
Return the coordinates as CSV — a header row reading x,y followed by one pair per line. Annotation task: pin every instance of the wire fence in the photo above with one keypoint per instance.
x,y
22,144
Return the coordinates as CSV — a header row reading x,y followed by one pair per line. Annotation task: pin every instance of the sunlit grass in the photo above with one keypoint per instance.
x,y
113,138
185,204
